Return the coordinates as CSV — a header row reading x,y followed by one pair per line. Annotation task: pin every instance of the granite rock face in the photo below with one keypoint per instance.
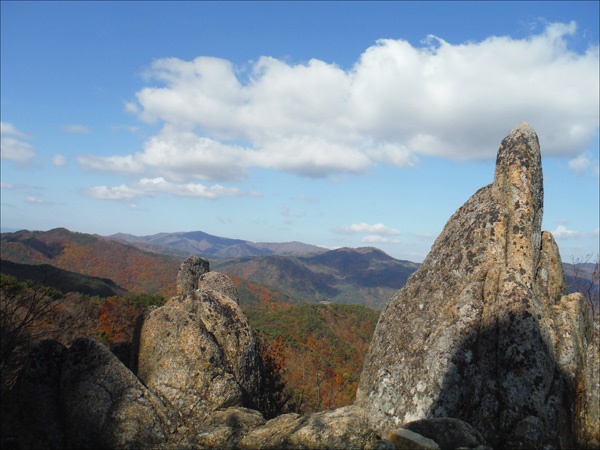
x,y
198,351
484,331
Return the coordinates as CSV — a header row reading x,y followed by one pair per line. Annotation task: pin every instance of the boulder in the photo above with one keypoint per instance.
x,y
480,332
404,439
224,429
447,432
342,428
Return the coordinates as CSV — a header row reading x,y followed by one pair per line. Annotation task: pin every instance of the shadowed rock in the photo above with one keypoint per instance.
x,y
38,392
105,406
484,331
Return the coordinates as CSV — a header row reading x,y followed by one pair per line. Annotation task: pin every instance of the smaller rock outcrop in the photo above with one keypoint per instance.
x,y
198,351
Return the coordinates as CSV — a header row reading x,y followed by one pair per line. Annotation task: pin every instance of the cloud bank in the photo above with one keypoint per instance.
x,y
397,103
150,187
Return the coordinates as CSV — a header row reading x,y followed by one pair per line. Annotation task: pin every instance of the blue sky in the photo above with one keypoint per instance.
x,y
331,123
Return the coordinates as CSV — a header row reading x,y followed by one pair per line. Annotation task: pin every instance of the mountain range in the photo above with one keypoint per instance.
x,y
291,273
200,243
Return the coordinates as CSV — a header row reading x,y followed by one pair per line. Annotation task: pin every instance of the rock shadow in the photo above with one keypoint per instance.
x,y
506,381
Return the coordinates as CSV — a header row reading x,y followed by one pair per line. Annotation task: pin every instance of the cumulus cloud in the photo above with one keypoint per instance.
x,y
149,187
398,102
13,145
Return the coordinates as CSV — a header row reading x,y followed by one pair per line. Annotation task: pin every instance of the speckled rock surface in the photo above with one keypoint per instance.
x,y
480,331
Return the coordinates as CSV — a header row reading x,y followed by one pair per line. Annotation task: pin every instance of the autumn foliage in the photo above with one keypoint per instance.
x,y
321,348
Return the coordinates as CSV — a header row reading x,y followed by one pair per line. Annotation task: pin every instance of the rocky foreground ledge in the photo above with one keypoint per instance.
x,y
482,348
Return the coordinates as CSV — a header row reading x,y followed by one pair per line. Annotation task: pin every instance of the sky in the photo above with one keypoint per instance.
x,y
338,124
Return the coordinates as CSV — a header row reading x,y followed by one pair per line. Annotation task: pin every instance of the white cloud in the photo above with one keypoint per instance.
x,y
5,185
376,239
6,129
563,232
583,162
149,187
76,129
12,144
359,228
59,160
396,103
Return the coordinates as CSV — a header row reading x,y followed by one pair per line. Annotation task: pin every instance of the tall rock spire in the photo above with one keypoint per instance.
x,y
519,187
476,332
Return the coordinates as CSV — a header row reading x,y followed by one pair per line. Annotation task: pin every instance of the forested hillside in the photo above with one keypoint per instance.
x,y
62,280
127,266
322,348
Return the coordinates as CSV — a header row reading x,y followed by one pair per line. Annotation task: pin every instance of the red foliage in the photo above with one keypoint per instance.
x,y
116,319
